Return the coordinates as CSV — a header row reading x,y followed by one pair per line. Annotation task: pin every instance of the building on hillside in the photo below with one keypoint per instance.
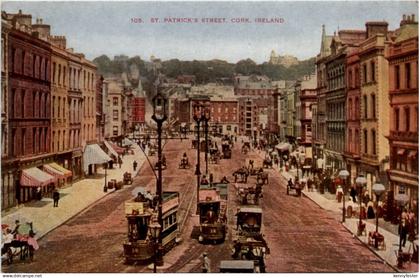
x,y
286,60
402,56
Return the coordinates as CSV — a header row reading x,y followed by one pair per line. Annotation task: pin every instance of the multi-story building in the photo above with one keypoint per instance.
x,y
88,87
253,86
335,96
374,118
402,56
138,108
100,117
29,103
352,147
319,126
307,97
114,123
290,99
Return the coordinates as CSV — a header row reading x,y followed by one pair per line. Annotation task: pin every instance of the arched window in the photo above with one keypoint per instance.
x,y
23,103
41,112
357,141
350,138
54,141
365,140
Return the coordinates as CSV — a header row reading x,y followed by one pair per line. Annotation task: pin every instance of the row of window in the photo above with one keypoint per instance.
x,y
26,63
59,74
29,104
25,141
405,160
407,117
402,72
335,141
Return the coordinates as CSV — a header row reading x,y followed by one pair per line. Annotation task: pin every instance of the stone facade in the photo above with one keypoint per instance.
x,y
402,56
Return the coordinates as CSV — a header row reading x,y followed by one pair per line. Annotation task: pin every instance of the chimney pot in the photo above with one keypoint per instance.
x,y
403,16
20,11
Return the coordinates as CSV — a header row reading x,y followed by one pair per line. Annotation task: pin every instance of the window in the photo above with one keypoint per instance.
x,y
34,140
115,101
373,142
23,62
397,118
115,130
364,73
365,107
350,111
365,140
23,104
372,71
53,77
397,77
58,107
64,76
373,106
115,115
407,118
59,75
12,103
350,81
54,105
407,75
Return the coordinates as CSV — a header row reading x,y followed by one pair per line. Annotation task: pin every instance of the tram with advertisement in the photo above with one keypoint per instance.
x,y
212,207
140,213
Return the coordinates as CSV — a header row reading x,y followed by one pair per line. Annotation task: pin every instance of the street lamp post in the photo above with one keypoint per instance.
x,y
159,116
206,132
198,117
378,189
105,185
344,174
154,230
360,182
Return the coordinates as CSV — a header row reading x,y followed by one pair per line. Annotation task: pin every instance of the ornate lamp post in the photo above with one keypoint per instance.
x,y
105,185
154,231
159,116
360,183
344,174
206,118
378,189
198,117
401,200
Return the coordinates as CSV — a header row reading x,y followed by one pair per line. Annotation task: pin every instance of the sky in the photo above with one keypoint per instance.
x,y
113,28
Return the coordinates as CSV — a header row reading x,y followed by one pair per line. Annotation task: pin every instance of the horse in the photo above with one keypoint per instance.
x,y
243,172
267,163
16,248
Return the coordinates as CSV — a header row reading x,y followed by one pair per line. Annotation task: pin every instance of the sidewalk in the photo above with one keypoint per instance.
x,y
391,239
73,199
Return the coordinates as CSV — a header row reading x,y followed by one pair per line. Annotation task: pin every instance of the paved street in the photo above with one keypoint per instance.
x,y
302,237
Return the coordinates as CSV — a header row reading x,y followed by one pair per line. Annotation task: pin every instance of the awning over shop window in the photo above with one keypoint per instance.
x,y
117,148
53,172
35,177
93,154
111,149
67,173
401,152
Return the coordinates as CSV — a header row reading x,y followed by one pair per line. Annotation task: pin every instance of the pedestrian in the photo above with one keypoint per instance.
x,y
353,193
56,197
120,161
366,198
403,228
206,263
134,165
39,193
411,226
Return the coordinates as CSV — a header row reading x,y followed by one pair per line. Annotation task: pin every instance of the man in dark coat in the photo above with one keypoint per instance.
x,y
56,197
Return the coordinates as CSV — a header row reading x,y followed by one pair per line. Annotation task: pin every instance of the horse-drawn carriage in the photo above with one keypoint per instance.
x,y
246,147
262,177
243,173
23,244
249,242
268,163
248,194
152,150
226,150
294,186
163,163
127,178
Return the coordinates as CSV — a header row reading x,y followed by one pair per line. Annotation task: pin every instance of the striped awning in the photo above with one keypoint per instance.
x,y
93,154
67,173
53,172
117,148
111,149
36,177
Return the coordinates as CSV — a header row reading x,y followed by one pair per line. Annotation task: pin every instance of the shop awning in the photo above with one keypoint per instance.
x,y
320,163
93,154
53,172
401,152
111,149
36,177
117,148
67,173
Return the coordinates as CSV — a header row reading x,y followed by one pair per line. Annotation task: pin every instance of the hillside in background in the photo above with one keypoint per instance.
x,y
205,71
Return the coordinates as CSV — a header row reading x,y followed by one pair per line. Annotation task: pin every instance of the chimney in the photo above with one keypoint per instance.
x,y
376,27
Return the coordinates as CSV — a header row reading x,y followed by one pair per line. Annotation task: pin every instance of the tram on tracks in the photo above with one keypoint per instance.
x,y
140,213
212,207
